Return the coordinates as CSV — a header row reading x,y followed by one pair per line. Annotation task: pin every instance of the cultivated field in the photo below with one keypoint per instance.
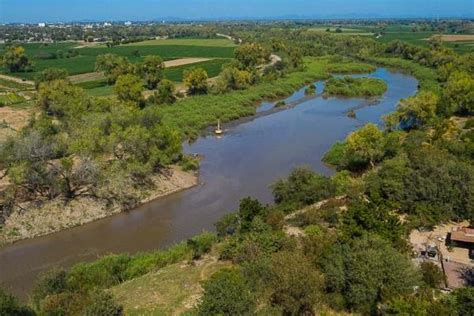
x,y
40,54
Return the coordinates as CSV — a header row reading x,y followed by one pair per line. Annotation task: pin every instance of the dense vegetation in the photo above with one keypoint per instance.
x,y
354,87
350,253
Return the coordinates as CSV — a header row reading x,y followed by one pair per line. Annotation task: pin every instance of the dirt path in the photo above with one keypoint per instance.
x,y
17,80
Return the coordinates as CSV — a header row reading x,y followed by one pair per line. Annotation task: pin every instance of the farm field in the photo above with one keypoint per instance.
x,y
85,60
215,42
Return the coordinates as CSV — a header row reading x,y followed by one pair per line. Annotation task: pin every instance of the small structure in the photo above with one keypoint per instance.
x,y
218,130
462,237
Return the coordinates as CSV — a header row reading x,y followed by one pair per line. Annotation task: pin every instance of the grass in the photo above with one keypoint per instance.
x,y
11,98
85,61
421,39
172,290
355,87
213,68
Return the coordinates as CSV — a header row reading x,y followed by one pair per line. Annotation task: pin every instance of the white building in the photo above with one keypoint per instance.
x,y
41,24
128,23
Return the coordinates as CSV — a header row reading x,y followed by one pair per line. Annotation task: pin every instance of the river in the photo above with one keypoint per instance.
x,y
243,162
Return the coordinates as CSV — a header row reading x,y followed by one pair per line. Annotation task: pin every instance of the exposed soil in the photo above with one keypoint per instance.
x,y
14,119
37,220
456,38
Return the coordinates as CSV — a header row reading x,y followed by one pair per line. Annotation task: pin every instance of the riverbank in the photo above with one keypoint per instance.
x,y
56,215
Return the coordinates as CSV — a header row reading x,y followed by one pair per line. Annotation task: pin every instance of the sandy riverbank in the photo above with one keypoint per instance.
x,y
56,215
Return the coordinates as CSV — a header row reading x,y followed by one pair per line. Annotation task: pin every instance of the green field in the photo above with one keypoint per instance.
x,y
217,42
85,61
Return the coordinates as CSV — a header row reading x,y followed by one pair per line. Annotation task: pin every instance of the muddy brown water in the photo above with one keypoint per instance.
x,y
243,162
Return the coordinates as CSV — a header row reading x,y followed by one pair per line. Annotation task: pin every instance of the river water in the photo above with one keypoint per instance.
x,y
243,162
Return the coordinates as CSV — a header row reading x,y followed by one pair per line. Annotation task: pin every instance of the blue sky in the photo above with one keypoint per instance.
x,y
74,10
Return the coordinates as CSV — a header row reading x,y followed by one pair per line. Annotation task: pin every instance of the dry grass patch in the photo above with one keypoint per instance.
x,y
171,290
455,37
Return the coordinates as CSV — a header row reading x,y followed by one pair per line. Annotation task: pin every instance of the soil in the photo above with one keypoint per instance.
x,y
52,216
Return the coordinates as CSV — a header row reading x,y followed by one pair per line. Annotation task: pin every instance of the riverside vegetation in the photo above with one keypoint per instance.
x,y
329,244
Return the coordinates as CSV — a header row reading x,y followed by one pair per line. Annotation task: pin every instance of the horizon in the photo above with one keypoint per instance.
x,y
55,11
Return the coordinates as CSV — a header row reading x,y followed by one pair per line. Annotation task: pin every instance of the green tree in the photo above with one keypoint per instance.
x,y
50,74
15,59
9,306
367,272
165,93
232,78
151,70
113,66
61,97
303,187
366,145
251,55
227,293
295,285
129,88
102,304
458,95
432,274
417,111
463,301
195,80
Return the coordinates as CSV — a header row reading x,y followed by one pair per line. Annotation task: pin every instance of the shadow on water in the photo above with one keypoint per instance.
x,y
243,162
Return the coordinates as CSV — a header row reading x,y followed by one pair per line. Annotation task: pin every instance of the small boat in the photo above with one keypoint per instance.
x,y
218,130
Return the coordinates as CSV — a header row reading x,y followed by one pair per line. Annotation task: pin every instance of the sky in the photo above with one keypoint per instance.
x,y
34,11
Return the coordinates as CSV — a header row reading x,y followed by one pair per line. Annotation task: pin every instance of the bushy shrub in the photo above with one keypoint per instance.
x,y
227,293
201,244
10,306
103,304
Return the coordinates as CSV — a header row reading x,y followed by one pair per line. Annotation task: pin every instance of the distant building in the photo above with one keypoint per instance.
x,y
107,24
128,23
41,24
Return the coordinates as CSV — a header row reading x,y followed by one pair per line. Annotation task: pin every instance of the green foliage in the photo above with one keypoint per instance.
x,y
363,217
351,68
195,80
463,301
201,244
310,90
151,70
102,304
458,95
430,184
227,293
417,111
10,306
61,98
51,283
232,78
368,272
114,269
251,55
113,66
303,187
294,284
50,74
129,88
432,275
165,93
15,59
355,87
